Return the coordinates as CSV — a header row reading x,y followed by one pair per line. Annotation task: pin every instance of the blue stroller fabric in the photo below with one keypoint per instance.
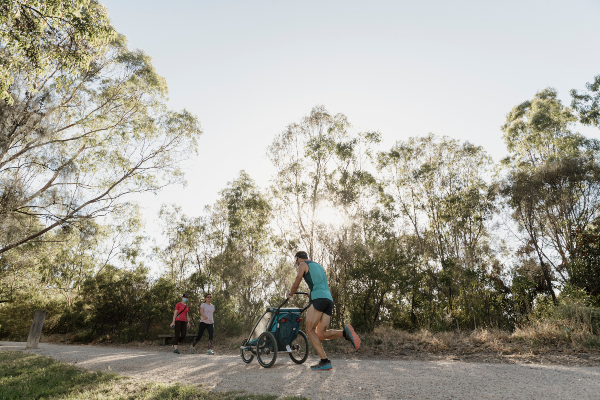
x,y
285,329
289,325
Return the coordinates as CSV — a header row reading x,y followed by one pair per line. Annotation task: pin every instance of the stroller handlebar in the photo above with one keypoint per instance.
x,y
286,300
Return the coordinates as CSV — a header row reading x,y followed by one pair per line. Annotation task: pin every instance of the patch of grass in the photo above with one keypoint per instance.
x,y
294,398
30,376
592,342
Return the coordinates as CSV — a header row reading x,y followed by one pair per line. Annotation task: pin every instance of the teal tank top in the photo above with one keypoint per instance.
x,y
316,279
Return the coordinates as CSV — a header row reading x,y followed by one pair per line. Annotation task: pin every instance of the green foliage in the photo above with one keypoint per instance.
x,y
574,314
90,133
540,130
117,302
379,276
585,266
439,188
526,285
552,184
41,36
229,322
125,305
588,104
14,322
30,376
225,252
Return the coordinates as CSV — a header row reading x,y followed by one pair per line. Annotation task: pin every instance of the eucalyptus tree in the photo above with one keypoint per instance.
x,y
321,168
121,239
441,190
383,273
243,264
553,181
37,36
182,235
71,260
585,268
85,138
352,191
587,104
19,273
227,250
322,186
303,156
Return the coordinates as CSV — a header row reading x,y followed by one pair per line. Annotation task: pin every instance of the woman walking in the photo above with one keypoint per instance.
x,y
207,311
180,321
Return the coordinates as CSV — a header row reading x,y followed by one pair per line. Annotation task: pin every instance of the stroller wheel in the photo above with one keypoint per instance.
x,y
266,349
247,355
299,348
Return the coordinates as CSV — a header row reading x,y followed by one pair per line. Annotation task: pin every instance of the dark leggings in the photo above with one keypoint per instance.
x,y
180,331
201,329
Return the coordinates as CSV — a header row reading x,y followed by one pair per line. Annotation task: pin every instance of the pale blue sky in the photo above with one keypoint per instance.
x,y
249,68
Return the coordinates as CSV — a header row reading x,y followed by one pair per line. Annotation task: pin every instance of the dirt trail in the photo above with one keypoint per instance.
x,y
349,379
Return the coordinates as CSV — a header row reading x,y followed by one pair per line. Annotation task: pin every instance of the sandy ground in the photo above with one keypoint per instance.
x,y
349,379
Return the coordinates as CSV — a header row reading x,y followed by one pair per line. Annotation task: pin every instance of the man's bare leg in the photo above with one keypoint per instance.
x,y
313,320
316,327
327,334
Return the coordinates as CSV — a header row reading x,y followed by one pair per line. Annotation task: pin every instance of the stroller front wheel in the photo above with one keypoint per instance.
x,y
266,349
247,355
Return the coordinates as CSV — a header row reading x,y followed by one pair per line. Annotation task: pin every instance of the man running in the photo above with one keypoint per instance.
x,y
319,313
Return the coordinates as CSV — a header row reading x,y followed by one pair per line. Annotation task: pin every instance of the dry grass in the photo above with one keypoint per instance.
x,y
540,336
533,339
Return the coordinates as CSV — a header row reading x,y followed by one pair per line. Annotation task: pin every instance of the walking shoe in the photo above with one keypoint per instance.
x,y
210,352
176,351
192,350
321,366
351,336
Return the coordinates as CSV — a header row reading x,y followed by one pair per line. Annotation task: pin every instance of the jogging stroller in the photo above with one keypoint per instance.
x,y
277,330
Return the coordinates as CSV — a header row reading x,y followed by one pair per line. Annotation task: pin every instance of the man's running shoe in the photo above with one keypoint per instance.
x,y
210,353
322,366
351,336
192,350
176,351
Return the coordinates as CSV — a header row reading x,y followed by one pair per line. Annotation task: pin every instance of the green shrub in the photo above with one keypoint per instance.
x,y
574,316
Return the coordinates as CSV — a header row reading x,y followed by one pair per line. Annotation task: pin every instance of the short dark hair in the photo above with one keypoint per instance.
x,y
207,294
184,295
302,254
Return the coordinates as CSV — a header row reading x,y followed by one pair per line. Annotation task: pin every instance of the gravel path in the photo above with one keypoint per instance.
x,y
349,379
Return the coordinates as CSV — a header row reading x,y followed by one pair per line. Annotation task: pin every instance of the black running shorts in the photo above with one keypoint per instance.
x,y
323,305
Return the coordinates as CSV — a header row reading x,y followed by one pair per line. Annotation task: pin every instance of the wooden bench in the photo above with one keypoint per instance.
x,y
166,338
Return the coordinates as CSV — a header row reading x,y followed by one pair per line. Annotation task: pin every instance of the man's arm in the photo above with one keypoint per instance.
x,y
301,271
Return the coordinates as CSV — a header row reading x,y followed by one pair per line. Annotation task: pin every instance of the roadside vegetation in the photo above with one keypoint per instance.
x,y
428,239
30,376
